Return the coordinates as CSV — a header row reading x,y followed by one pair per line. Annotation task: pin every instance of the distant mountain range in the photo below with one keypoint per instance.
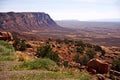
x,y
83,24
108,20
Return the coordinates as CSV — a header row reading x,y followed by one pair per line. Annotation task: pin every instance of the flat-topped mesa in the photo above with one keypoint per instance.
x,y
26,21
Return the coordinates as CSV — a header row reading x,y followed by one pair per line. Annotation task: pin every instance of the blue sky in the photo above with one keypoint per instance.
x,y
66,9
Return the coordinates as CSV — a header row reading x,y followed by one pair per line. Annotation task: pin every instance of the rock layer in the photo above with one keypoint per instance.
x,y
7,36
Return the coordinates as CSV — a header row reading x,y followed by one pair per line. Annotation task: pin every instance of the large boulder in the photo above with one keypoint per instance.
x,y
98,66
7,36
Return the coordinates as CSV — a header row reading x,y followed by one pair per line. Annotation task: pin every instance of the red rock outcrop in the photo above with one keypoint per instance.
x,y
7,36
98,66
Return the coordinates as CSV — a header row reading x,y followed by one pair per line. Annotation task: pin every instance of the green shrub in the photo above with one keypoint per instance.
x,y
53,56
66,64
42,51
79,43
46,52
80,50
103,52
91,53
19,44
83,60
76,58
38,64
97,48
88,45
59,41
116,64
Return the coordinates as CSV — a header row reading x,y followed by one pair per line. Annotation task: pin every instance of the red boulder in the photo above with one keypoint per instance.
x,y
98,66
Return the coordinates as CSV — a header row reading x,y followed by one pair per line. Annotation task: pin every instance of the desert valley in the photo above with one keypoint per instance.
x,y
35,47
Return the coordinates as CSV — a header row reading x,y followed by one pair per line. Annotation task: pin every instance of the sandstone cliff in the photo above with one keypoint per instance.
x,y
26,21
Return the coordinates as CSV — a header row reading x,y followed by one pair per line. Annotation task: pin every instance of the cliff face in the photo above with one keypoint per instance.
x,y
26,21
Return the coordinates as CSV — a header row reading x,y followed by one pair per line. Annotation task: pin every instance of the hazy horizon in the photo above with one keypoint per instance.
x,y
83,10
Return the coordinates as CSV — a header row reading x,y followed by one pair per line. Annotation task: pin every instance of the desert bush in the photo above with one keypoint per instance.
x,y
88,45
59,41
67,41
19,44
46,52
66,64
79,43
76,58
42,51
103,52
53,56
91,53
83,60
116,64
80,50
97,48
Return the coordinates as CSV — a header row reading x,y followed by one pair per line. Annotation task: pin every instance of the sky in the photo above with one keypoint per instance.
x,y
83,10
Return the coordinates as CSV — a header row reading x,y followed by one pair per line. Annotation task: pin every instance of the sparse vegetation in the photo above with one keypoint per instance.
x,y
6,51
80,50
46,52
98,48
116,64
48,59
37,64
90,53
83,60
79,43
54,75
19,44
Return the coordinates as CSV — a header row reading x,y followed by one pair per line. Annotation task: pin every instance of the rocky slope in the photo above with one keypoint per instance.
x,y
26,21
